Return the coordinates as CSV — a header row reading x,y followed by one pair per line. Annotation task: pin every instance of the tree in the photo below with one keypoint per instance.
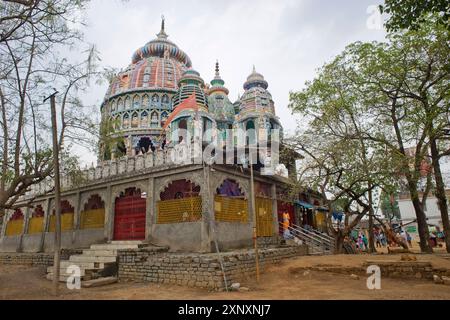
x,y
401,91
33,35
341,164
410,14
389,206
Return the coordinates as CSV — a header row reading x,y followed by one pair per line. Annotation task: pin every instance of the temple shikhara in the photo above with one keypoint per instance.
x,y
141,103
138,192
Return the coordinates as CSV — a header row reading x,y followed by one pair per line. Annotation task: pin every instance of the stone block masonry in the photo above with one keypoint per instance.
x,y
198,270
407,269
35,259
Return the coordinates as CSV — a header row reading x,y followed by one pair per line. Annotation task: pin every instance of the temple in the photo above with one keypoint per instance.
x,y
138,191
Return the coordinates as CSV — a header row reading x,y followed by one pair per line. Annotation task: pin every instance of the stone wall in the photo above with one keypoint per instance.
x,y
389,269
404,269
34,259
198,270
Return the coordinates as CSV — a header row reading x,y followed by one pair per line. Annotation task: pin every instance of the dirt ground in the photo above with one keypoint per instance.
x,y
277,282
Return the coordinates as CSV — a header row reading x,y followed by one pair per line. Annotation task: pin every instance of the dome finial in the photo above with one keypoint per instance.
x,y
217,68
162,34
254,69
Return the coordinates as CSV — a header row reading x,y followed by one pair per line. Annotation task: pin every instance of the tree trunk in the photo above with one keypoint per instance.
x,y
421,221
339,242
440,192
371,213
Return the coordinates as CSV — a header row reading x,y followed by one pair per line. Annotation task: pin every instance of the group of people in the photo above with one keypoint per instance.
x,y
381,240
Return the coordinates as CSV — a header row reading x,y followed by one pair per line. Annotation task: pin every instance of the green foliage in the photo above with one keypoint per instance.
x,y
110,138
389,206
368,105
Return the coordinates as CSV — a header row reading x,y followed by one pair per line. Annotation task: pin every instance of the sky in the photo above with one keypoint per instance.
x,y
286,40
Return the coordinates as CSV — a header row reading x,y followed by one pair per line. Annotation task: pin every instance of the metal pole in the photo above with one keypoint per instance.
x,y
57,244
255,234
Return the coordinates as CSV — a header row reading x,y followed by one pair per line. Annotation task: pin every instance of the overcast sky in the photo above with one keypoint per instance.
x,y
286,40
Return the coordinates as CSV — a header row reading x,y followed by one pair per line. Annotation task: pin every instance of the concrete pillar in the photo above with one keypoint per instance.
x,y
150,208
109,214
207,210
77,211
26,221
47,208
76,216
3,226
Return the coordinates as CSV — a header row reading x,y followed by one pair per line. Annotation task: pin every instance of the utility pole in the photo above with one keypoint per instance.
x,y
255,234
57,244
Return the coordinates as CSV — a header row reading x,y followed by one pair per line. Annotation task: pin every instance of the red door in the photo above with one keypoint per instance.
x,y
129,216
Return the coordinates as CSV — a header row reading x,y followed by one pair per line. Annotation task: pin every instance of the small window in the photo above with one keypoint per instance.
x,y
135,120
136,103
126,121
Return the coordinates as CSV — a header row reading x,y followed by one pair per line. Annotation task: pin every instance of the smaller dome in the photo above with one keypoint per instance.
x,y
191,76
189,83
255,79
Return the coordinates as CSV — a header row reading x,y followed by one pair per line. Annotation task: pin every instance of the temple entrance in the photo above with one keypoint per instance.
x,y
129,215
145,144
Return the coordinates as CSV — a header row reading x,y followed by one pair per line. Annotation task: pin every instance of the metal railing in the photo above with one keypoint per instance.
x,y
317,243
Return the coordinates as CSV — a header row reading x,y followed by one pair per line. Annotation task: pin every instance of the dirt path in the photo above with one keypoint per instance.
x,y
20,282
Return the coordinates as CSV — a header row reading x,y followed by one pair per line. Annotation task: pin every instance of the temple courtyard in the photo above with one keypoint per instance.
x,y
306,277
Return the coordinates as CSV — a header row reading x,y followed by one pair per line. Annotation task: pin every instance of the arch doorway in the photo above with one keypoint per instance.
x,y
129,215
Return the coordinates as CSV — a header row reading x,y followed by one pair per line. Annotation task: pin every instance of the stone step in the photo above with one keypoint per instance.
x,y
135,242
100,253
98,282
62,278
114,246
84,258
84,265
63,271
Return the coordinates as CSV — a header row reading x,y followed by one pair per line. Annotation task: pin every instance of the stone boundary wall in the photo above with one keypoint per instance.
x,y
198,270
35,259
390,269
407,269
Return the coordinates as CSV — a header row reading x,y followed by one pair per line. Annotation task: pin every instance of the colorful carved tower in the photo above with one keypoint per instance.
x,y
220,106
256,109
193,118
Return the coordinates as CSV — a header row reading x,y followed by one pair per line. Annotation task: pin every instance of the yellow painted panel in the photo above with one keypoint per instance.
x,y
36,225
66,222
264,217
229,209
179,210
93,219
320,219
14,227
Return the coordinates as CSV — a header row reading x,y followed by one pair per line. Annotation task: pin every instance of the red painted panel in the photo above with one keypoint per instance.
x,y
129,218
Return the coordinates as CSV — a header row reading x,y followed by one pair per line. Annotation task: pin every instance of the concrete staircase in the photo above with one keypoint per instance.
x,y
99,261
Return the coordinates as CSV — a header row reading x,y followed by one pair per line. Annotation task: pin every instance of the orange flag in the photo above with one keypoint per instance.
x,y
189,103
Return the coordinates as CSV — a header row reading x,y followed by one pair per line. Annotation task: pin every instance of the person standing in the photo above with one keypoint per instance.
x,y
286,224
383,238
377,239
408,239
365,241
